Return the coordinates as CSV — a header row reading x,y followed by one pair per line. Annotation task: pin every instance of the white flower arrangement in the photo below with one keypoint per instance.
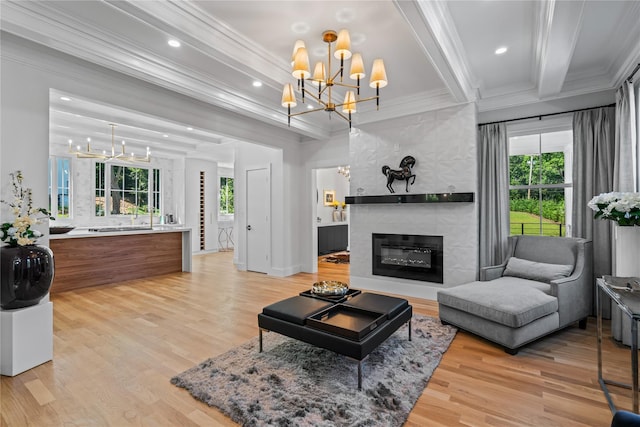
x,y
19,232
623,208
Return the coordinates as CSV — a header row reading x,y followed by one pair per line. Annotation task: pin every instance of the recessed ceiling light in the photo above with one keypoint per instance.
x,y
174,43
257,83
165,135
501,50
189,128
65,98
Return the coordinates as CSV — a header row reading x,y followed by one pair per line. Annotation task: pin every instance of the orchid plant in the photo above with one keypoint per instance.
x,y
623,208
19,232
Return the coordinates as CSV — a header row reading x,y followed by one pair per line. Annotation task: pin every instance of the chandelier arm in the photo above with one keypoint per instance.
x,y
371,98
333,79
323,90
343,116
346,85
358,101
316,98
306,112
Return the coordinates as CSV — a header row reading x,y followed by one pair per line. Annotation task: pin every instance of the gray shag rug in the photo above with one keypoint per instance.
x,y
296,384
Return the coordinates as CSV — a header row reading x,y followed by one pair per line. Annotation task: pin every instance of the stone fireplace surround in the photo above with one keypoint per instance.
x,y
444,145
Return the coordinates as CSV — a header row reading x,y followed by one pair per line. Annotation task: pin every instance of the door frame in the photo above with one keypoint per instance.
x,y
266,167
314,210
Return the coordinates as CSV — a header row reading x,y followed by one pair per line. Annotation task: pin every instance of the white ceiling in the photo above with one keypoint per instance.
x,y
437,53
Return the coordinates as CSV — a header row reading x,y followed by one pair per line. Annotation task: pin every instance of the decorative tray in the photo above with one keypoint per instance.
x,y
349,322
629,284
332,298
329,287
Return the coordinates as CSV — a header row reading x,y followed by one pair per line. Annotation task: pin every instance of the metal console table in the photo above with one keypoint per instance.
x,y
629,303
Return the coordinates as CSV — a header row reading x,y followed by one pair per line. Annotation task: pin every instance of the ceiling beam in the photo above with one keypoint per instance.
x,y
435,32
558,29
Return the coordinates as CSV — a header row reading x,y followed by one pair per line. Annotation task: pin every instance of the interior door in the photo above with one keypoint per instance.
x,y
258,198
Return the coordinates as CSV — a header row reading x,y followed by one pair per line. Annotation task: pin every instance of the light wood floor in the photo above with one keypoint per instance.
x,y
117,346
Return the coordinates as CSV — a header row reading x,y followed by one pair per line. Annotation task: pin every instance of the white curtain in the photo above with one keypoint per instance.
x,y
493,194
593,162
625,171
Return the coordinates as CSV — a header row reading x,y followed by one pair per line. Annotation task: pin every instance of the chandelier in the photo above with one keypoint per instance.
x,y
345,171
324,79
123,156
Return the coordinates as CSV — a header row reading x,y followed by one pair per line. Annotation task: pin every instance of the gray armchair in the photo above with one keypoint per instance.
x,y
545,284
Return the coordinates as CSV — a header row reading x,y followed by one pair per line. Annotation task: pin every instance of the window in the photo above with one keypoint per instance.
x,y
129,190
540,183
60,187
101,201
226,195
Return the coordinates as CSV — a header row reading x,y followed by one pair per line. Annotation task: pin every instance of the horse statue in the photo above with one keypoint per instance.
x,y
404,173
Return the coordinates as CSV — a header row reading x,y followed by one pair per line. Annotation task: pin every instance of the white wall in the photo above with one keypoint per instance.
x,y
444,145
247,157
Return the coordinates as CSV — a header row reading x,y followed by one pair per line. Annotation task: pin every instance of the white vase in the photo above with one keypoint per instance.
x,y
627,255
626,263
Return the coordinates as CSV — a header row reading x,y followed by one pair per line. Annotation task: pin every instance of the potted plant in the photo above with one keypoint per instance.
x,y
26,270
622,208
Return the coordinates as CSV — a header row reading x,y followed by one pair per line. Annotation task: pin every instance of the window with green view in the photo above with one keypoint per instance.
x,y
226,195
540,183
129,190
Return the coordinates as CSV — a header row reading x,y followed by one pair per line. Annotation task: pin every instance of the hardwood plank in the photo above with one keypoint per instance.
x,y
117,346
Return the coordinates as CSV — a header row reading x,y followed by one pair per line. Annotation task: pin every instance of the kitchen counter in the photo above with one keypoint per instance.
x,y
118,230
86,258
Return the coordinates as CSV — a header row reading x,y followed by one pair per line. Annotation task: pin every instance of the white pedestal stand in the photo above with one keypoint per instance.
x,y
626,264
26,337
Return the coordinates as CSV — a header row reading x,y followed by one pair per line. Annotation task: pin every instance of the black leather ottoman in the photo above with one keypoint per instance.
x,y
290,317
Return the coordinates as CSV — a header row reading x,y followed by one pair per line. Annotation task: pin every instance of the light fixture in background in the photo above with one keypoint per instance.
x,y
174,43
325,80
345,171
122,156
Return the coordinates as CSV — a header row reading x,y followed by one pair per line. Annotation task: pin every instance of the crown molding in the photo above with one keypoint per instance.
x,y
530,97
413,104
629,50
559,35
434,30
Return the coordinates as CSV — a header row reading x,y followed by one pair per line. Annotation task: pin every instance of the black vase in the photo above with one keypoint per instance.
x,y
26,274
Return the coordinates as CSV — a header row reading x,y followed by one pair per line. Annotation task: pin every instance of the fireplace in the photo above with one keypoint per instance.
x,y
408,256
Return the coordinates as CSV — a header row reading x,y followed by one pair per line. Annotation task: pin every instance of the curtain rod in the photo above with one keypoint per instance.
x,y
540,116
633,73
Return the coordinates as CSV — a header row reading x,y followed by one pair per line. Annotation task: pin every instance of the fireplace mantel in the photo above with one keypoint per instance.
x,y
411,198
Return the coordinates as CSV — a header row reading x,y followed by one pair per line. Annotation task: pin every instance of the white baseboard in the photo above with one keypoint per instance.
x,y
287,271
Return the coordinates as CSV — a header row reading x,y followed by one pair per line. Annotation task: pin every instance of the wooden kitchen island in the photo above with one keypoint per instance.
x,y
86,258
